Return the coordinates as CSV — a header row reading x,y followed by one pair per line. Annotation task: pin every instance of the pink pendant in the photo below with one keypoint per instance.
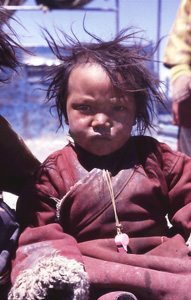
x,y
122,241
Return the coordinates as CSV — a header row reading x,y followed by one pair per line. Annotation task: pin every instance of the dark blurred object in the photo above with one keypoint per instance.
x,y
181,101
56,4
17,163
9,46
181,112
11,2
9,229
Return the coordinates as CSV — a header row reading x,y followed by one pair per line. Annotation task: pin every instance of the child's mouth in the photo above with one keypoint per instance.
x,y
102,135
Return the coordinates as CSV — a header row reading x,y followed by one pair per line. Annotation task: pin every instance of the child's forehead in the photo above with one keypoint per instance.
x,y
90,64
89,74
92,68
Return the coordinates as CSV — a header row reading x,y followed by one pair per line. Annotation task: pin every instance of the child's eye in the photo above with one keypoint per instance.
x,y
83,108
119,108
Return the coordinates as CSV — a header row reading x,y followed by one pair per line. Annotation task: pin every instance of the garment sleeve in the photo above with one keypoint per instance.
x,y
179,185
47,259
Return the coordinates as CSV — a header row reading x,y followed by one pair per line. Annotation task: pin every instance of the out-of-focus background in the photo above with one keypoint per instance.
x,y
22,102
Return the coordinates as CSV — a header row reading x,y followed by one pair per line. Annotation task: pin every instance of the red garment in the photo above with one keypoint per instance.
x,y
149,181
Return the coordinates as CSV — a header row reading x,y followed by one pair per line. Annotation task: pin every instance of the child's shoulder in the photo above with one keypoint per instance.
x,y
149,146
63,153
150,151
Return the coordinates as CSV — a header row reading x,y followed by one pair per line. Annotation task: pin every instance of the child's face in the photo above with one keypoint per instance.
x,y
99,120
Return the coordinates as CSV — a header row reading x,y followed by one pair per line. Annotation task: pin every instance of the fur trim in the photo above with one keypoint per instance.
x,y
51,273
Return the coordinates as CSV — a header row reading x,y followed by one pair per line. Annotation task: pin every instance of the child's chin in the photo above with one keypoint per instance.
x,y
102,152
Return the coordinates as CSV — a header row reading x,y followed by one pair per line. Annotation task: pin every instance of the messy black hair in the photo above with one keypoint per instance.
x,y
8,45
122,55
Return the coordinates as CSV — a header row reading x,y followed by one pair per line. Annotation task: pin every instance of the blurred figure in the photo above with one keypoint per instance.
x,y
17,163
72,4
177,57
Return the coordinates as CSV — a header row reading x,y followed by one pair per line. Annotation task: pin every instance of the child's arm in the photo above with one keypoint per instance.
x,y
179,180
178,49
146,283
47,258
177,57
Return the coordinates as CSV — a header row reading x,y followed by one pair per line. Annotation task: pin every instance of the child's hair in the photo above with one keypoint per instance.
x,y
8,45
122,55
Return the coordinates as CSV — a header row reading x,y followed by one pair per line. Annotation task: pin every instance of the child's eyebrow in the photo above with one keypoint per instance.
x,y
115,100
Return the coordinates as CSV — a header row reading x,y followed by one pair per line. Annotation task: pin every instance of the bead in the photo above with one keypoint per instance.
x,y
122,241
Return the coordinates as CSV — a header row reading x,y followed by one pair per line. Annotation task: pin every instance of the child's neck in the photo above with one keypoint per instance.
x,y
110,162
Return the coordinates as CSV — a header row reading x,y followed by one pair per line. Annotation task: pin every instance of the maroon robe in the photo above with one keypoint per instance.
x,y
68,211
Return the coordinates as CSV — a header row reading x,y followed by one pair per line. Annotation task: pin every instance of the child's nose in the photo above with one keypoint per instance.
x,y
101,120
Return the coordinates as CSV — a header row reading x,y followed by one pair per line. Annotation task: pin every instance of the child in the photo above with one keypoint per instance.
x,y
17,163
94,218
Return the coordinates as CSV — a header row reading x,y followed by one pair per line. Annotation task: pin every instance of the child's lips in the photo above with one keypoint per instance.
x,y
102,136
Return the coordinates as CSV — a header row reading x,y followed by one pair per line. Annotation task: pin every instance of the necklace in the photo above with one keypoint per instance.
x,y
121,239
